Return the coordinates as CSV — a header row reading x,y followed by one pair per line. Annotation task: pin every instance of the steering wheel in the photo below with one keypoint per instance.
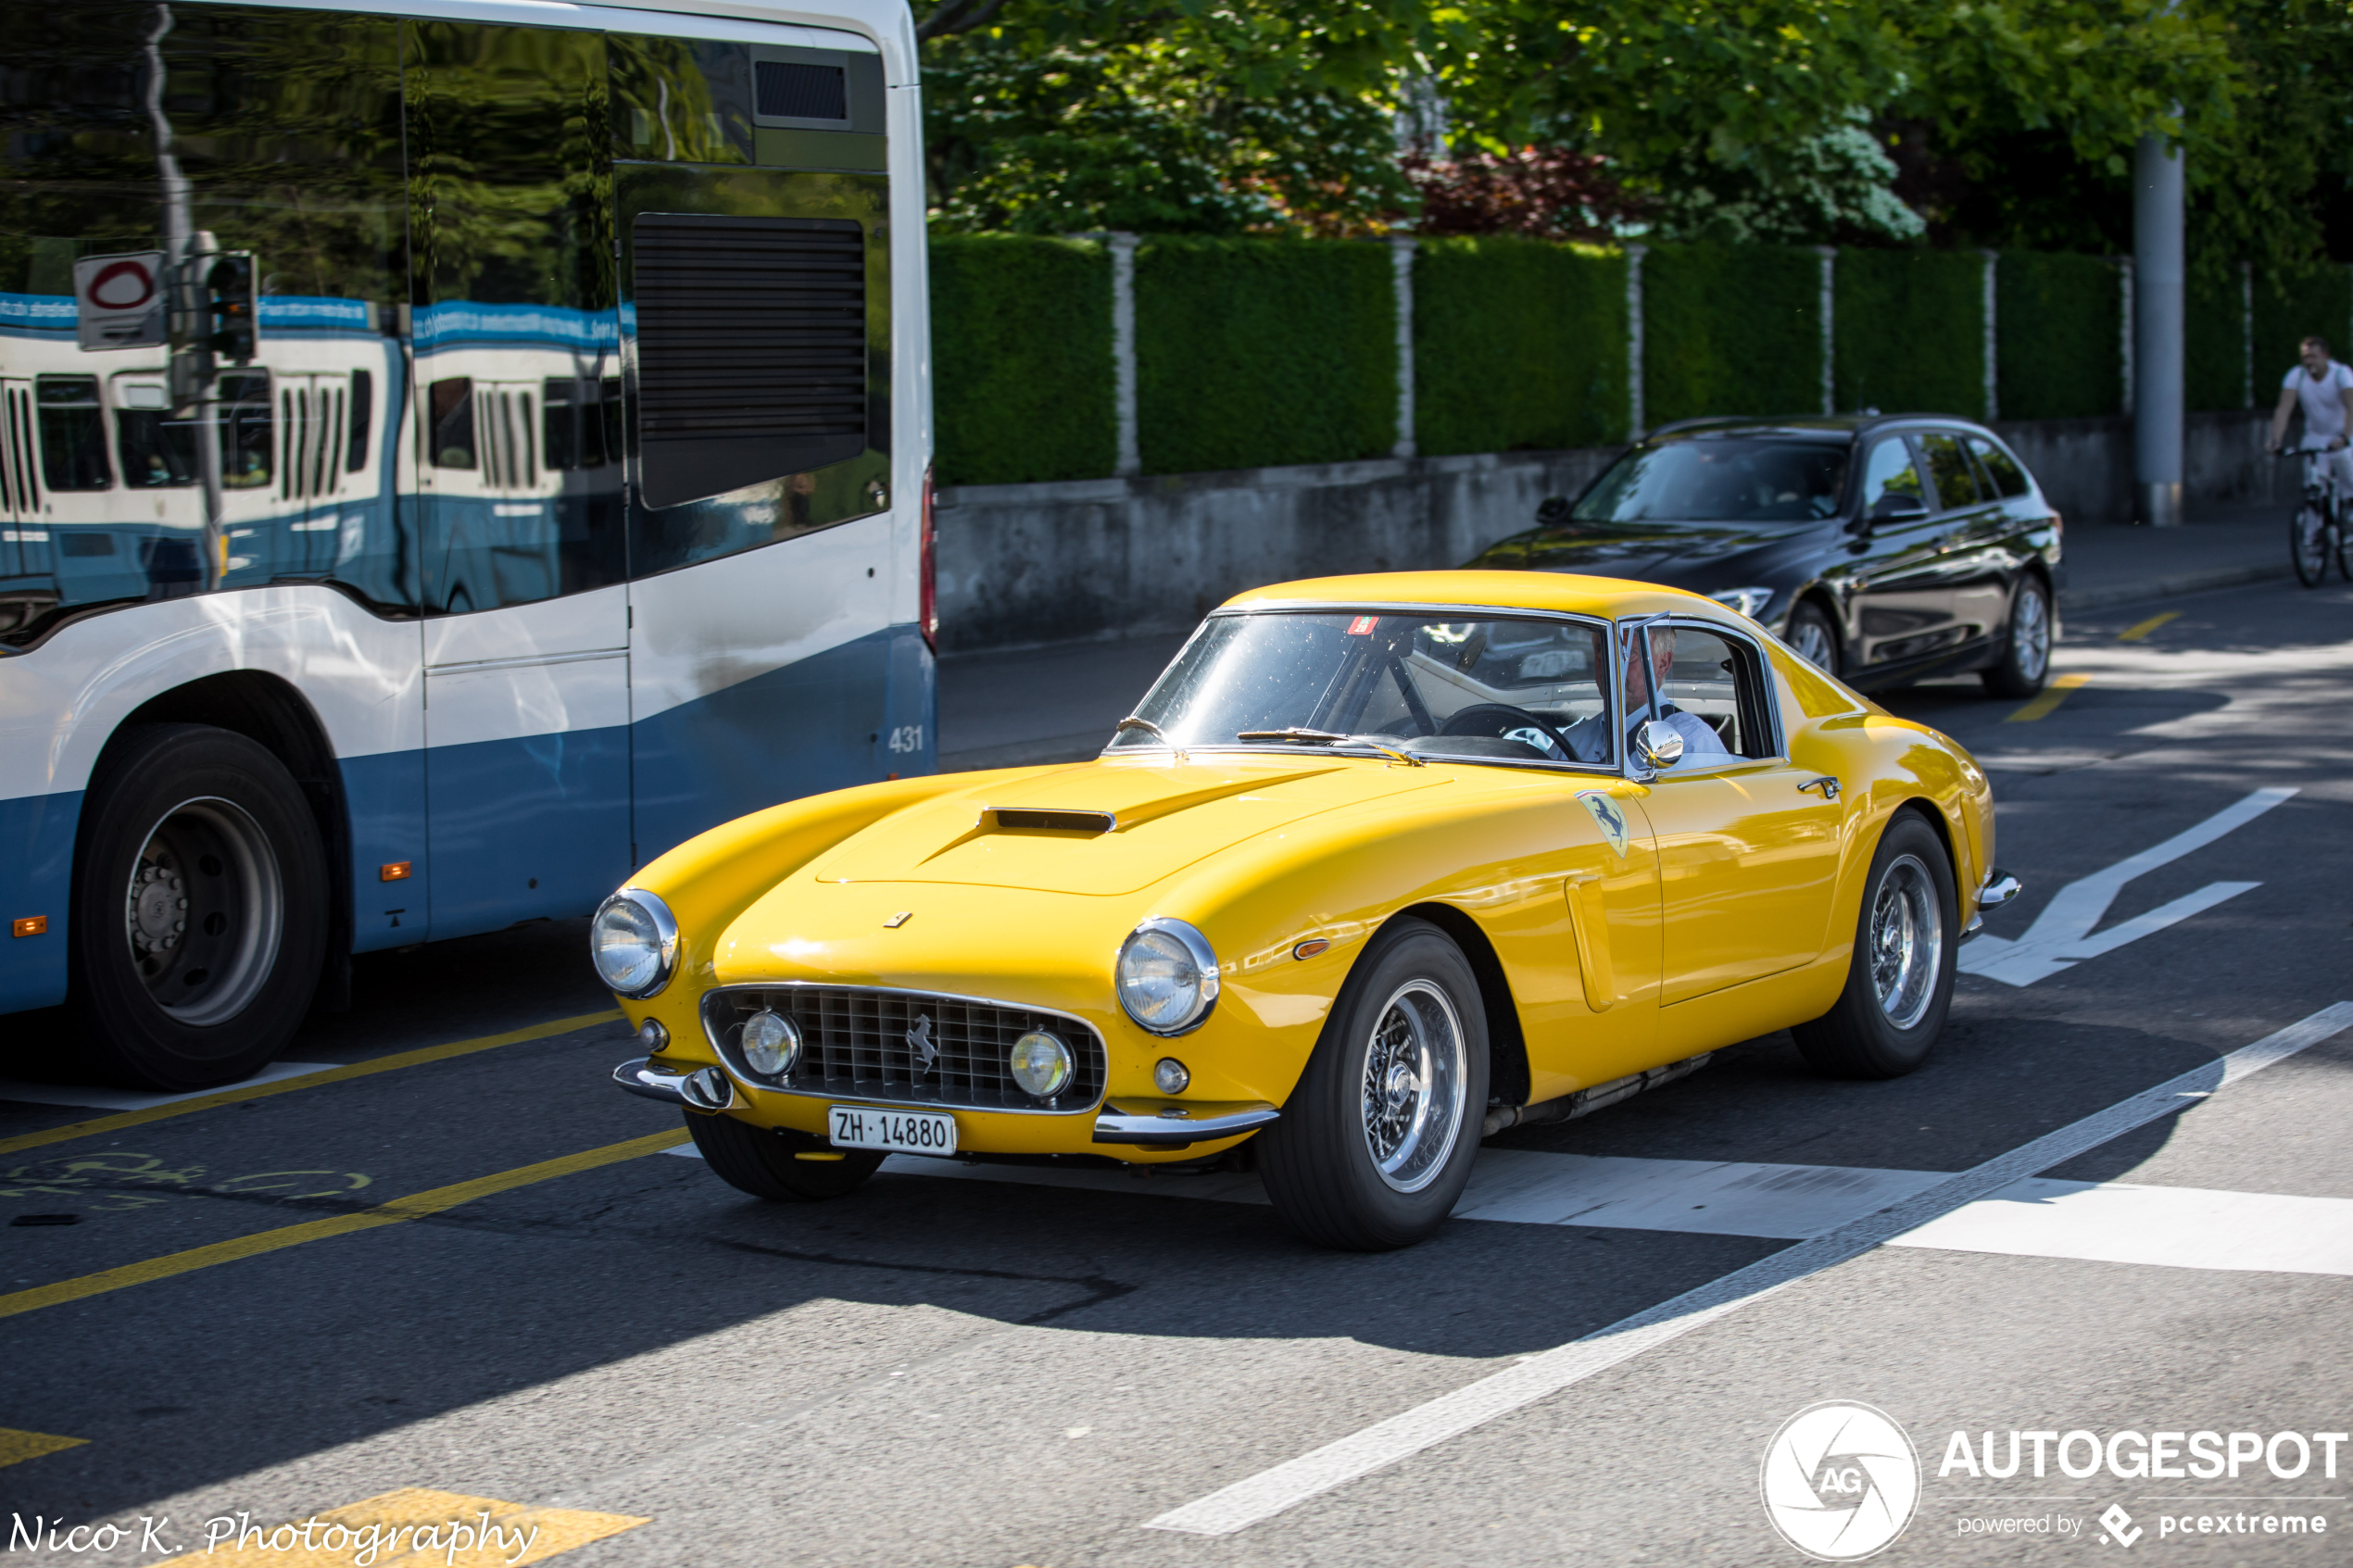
x,y
1495,718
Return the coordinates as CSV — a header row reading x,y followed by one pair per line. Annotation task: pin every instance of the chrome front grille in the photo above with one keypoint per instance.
x,y
862,1043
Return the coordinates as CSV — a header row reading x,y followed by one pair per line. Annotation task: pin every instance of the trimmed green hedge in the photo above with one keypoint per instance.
x,y
2059,322
1254,353
1910,331
1729,330
1517,344
1021,360
2288,308
2214,346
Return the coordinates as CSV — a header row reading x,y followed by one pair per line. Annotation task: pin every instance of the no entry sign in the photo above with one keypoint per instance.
x,y
119,300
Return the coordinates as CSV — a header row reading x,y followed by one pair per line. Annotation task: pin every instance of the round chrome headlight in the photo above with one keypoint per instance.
x,y
772,1044
634,942
1167,976
1040,1063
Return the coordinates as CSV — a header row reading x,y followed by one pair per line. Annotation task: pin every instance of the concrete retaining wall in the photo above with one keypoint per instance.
x,y
1027,564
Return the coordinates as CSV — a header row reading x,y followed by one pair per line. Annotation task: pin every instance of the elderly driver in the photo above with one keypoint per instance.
x,y
1700,738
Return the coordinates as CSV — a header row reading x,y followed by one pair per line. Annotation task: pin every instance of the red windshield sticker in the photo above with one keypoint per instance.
x,y
1362,625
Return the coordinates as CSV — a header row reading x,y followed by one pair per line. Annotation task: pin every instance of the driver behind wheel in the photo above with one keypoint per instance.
x,y
1700,738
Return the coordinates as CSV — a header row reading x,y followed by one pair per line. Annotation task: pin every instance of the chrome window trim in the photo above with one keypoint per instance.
x,y
1614,768
1770,695
728,1066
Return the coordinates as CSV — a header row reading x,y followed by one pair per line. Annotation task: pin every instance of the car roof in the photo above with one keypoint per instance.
x,y
1557,591
1815,426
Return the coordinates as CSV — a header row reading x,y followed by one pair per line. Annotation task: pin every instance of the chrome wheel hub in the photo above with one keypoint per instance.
x,y
1416,1071
204,911
1906,948
2031,631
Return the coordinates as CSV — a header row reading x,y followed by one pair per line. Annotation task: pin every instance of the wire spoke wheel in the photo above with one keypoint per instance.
x,y
2309,544
1907,951
1415,1074
204,911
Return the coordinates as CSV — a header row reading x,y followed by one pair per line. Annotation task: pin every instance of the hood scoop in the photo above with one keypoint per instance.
x,y
1032,819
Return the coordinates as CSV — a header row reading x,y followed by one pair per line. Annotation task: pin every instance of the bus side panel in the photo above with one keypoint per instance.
x,y
769,674
36,873
385,796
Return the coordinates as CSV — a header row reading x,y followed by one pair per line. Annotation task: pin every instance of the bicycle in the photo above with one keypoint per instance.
x,y
2317,534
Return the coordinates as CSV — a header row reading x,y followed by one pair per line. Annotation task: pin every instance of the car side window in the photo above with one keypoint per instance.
x,y
1892,473
1721,682
1949,466
2009,479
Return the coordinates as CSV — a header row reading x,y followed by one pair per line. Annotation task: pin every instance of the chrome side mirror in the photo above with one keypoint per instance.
x,y
1657,745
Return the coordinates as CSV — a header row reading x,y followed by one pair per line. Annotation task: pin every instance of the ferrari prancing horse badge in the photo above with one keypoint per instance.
x,y
1609,814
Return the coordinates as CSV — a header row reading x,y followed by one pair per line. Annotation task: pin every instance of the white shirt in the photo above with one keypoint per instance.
x,y
2324,399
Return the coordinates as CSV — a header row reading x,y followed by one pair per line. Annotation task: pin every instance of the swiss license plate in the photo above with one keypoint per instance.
x,y
910,1132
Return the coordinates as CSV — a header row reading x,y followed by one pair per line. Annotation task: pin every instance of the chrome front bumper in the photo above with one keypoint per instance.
x,y
706,1088
1999,889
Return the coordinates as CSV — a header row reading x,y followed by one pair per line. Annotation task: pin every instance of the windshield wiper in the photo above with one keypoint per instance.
x,y
1136,721
1333,737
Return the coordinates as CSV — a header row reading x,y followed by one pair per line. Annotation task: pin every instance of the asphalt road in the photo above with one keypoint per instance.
x,y
651,1369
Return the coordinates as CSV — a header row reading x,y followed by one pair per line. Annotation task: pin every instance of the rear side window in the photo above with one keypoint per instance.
x,y
1891,472
1949,466
2008,478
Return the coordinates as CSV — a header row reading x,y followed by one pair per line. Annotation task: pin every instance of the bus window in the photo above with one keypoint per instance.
x,y
157,450
73,433
363,395
451,436
246,430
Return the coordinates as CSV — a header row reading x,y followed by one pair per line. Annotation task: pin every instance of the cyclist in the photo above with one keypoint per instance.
x,y
2325,390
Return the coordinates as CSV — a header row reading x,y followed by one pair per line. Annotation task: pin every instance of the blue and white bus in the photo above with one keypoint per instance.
x,y
450,452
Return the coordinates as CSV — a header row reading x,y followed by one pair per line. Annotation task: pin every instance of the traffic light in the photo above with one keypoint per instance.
x,y
231,299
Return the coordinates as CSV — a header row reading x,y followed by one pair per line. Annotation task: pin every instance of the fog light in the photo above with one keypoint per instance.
x,y
1040,1063
772,1044
652,1035
1170,1075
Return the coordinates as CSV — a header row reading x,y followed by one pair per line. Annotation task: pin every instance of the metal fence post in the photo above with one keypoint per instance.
x,y
1634,255
1829,327
2124,325
1992,341
2246,331
1123,351
1401,260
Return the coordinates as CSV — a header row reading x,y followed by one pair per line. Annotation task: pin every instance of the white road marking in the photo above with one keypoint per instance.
x,y
1782,1202
1270,1492
2172,1227
99,1098
2061,936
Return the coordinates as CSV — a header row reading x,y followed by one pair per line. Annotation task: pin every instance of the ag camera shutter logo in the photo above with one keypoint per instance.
x,y
1839,1481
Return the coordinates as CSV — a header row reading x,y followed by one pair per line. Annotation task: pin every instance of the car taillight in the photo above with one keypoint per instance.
x,y
927,606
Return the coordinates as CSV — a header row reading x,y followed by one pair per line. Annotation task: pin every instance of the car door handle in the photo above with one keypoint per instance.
x,y
1826,784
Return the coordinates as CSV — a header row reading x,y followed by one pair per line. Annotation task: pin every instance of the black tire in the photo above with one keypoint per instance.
x,y
1319,1161
1814,638
2309,544
1863,1035
761,1163
199,919
2026,646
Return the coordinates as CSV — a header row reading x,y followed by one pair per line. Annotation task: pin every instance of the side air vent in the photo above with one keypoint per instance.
x,y
790,90
751,350
1018,820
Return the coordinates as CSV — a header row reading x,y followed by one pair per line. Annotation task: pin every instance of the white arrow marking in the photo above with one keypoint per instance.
x,y
2061,936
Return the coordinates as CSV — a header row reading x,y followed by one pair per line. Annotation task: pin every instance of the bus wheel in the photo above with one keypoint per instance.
x,y
199,909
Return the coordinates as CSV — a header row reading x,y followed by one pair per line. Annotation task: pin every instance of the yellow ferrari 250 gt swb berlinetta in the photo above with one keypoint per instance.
x,y
1380,865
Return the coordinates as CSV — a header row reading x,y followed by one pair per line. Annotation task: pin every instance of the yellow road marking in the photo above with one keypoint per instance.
x,y
415,1205
2053,695
16,1446
408,1529
308,1081
2135,632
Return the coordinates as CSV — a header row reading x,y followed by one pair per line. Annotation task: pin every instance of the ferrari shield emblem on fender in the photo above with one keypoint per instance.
x,y
1609,814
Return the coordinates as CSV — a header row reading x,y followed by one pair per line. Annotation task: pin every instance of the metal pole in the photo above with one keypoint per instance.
x,y
2157,331
1401,259
187,254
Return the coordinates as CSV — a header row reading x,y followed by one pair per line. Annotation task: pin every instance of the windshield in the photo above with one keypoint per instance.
x,y
1495,690
1721,479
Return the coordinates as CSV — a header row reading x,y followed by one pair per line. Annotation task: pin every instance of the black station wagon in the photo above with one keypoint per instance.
x,y
1885,548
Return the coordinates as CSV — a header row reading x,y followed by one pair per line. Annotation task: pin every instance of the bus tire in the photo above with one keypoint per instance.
x,y
199,918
